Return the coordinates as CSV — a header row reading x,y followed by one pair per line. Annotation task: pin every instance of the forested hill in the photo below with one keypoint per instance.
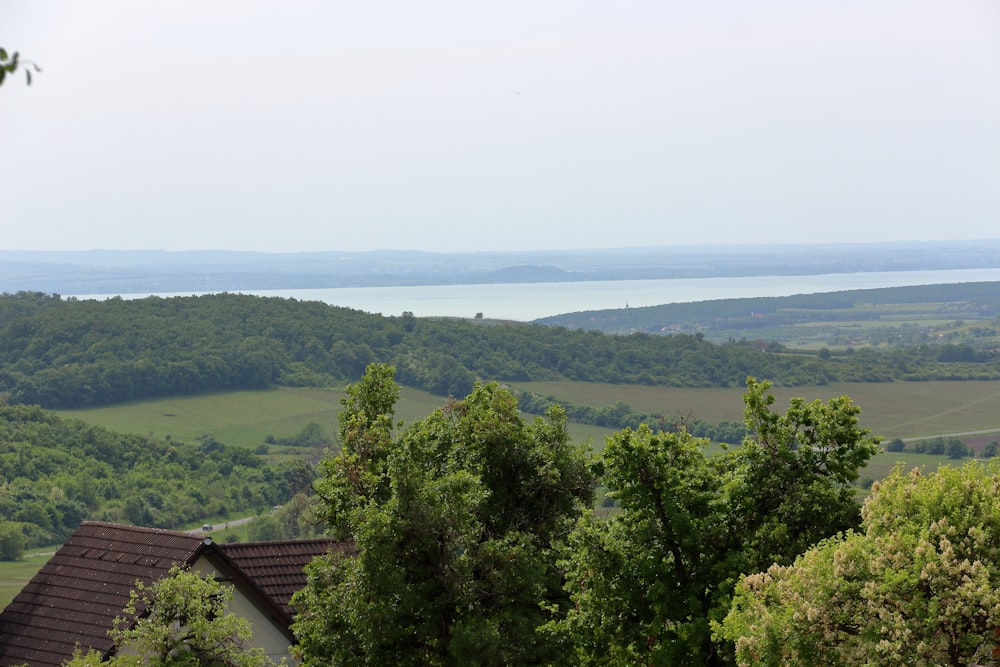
x,y
56,472
67,353
892,311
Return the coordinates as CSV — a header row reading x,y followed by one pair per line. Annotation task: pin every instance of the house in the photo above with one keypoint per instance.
x,y
73,600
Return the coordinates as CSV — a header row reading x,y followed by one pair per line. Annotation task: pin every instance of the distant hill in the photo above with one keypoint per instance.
x,y
907,316
155,271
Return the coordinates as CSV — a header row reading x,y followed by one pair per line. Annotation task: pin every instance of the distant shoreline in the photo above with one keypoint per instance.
x,y
526,302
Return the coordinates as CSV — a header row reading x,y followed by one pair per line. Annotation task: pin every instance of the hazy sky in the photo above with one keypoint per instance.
x,y
462,125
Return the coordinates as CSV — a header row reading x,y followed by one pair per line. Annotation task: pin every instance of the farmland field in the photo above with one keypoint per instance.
x,y
245,418
15,574
898,409
892,409
241,418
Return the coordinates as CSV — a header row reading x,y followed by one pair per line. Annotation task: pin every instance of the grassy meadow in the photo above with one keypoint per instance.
x,y
243,418
15,574
906,410
892,409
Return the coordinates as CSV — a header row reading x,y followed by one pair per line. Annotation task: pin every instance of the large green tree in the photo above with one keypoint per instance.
x,y
453,520
643,583
919,584
647,584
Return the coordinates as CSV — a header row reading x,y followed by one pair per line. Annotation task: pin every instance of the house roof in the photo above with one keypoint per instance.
x,y
278,568
73,600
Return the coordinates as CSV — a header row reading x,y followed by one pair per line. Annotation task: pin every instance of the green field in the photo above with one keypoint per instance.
x,y
245,418
15,574
892,409
242,418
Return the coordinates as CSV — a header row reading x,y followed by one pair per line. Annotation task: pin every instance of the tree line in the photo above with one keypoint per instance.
x,y
62,353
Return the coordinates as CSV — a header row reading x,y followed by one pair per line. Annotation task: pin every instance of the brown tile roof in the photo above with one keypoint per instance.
x,y
73,600
277,568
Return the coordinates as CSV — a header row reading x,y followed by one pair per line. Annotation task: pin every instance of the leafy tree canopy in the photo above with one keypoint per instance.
x,y
453,519
919,583
647,584
55,472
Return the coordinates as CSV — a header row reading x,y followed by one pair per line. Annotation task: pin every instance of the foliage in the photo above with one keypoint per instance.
x,y
643,583
952,447
54,473
63,353
12,540
180,621
791,482
296,519
621,415
9,63
647,584
895,445
311,435
918,584
453,519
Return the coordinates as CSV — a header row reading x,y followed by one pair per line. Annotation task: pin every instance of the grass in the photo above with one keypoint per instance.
x,y
241,418
892,409
15,574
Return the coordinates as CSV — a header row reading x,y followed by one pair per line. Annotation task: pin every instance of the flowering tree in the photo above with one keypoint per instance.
x,y
919,584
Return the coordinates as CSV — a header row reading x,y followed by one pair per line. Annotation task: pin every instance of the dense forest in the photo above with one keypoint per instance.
x,y
63,353
56,472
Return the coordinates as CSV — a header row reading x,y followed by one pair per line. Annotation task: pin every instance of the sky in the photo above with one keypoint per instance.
x,y
459,125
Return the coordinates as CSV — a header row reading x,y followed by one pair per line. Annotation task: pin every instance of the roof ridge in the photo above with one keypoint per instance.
x,y
145,529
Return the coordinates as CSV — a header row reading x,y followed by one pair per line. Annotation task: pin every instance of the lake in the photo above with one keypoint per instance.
x,y
529,301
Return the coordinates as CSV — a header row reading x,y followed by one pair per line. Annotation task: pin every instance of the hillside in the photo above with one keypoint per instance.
x,y
57,472
896,317
67,353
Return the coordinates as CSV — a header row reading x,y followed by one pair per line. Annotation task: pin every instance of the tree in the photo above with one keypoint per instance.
x,y
644,582
895,445
918,584
358,474
12,540
791,481
647,584
453,521
179,621
956,449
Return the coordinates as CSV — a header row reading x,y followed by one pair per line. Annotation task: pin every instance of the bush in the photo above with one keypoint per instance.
x,y
956,449
895,445
12,541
